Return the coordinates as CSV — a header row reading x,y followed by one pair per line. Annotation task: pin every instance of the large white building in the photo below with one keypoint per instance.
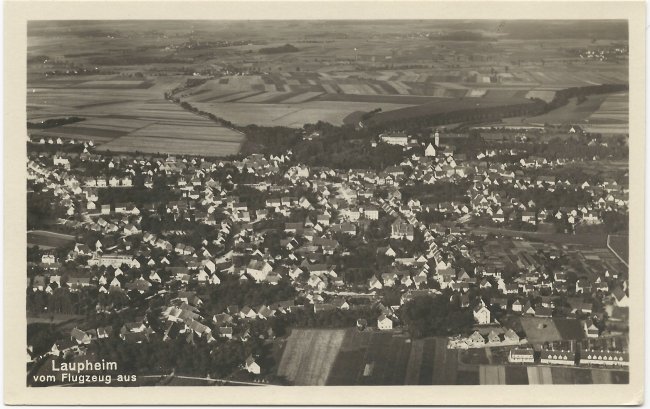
x,y
558,357
521,355
395,138
113,260
608,358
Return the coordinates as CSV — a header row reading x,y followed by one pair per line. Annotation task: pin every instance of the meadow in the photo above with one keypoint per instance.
x,y
48,240
539,330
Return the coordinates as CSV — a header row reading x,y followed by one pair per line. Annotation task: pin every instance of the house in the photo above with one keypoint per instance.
x,y
375,284
476,340
80,336
388,279
251,366
528,217
430,151
401,229
340,303
64,348
384,323
48,259
225,332
104,332
371,213
591,330
481,314
510,337
620,298
258,270
583,286
247,312
493,337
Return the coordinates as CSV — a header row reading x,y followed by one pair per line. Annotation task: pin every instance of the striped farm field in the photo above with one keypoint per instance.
x,y
419,92
292,115
492,375
305,96
352,357
309,355
122,119
539,375
548,375
197,147
208,132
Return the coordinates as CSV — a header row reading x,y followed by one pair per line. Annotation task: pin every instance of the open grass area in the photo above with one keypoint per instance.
x,y
47,239
539,330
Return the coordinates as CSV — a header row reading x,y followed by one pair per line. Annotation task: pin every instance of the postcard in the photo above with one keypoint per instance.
x,y
324,202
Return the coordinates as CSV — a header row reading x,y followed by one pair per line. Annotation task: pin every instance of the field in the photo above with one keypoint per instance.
x,y
64,321
606,113
338,72
620,245
293,99
309,355
122,119
611,117
48,240
538,375
571,113
351,357
539,330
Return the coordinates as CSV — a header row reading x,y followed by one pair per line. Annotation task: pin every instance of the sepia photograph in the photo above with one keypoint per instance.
x,y
366,202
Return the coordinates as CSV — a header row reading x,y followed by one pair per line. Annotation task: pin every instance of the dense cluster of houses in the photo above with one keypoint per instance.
x,y
333,204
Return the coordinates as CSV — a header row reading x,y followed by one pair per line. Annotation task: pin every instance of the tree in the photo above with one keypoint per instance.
x,y
435,315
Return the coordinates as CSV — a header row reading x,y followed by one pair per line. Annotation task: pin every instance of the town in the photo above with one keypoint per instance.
x,y
504,250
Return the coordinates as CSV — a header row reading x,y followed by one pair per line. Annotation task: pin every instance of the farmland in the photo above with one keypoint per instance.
x,y
605,113
295,98
352,357
546,375
620,245
308,356
128,120
336,72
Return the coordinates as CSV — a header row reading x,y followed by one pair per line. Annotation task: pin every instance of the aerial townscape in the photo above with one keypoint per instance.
x,y
327,203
